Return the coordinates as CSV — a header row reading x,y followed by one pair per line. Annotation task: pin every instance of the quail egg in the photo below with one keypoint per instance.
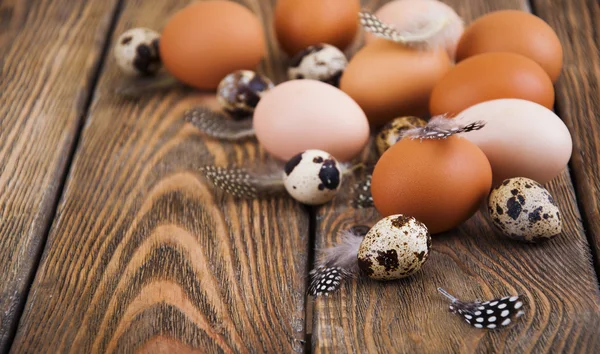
x,y
393,131
239,92
322,62
524,210
394,248
136,52
312,177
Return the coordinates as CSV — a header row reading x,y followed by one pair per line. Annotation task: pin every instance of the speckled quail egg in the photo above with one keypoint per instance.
x,y
524,210
394,248
136,52
393,131
312,177
239,92
322,62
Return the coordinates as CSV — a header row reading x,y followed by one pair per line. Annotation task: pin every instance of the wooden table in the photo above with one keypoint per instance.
x,y
111,242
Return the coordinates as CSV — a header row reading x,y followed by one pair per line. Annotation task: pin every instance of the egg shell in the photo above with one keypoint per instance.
x,y
394,248
491,76
524,210
389,80
520,139
516,32
207,40
393,131
300,24
300,115
321,62
136,52
402,14
442,183
312,177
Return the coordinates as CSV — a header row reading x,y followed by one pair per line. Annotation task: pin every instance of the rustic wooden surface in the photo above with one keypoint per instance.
x,y
49,53
577,24
143,256
472,262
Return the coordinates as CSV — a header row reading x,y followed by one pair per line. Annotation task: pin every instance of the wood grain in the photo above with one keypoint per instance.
x,y
50,51
577,23
472,262
145,256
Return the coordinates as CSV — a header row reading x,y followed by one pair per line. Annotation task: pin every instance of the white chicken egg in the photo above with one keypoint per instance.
x,y
136,52
524,210
395,247
312,177
321,62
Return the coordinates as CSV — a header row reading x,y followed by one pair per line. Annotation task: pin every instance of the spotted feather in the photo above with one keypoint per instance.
x,y
493,314
362,197
240,183
218,125
442,127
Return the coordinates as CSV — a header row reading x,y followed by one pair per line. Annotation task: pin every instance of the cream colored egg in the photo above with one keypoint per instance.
x,y
520,139
312,177
524,210
395,247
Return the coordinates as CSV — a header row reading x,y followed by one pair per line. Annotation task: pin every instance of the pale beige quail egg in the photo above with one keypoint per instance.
x,y
136,52
393,131
322,62
312,177
395,247
524,210
239,92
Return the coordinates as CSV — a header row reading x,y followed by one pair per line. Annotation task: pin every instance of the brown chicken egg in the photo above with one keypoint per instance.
x,y
299,24
389,80
440,182
207,40
491,76
516,32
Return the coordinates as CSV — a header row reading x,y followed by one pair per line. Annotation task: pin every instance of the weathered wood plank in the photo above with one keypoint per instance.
x,y
145,256
472,262
50,51
577,23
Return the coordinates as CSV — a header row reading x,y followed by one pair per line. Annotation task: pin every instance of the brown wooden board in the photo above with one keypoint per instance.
x,y
472,262
49,55
144,255
577,23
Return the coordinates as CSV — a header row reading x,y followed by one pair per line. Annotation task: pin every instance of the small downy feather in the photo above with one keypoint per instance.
x,y
337,263
492,314
241,183
138,86
218,125
426,31
441,127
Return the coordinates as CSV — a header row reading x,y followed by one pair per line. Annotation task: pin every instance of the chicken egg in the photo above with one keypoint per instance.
x,y
299,115
521,139
312,177
396,247
491,76
524,210
205,41
514,31
441,182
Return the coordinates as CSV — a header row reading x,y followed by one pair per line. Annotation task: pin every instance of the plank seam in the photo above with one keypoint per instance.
x,y
64,175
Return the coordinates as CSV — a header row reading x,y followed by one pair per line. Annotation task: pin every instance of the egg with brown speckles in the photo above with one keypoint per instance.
x,y
239,92
524,210
312,177
393,131
396,247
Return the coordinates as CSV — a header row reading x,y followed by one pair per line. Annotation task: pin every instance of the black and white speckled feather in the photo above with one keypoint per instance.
x,y
442,127
493,314
425,31
362,198
337,263
218,125
243,184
